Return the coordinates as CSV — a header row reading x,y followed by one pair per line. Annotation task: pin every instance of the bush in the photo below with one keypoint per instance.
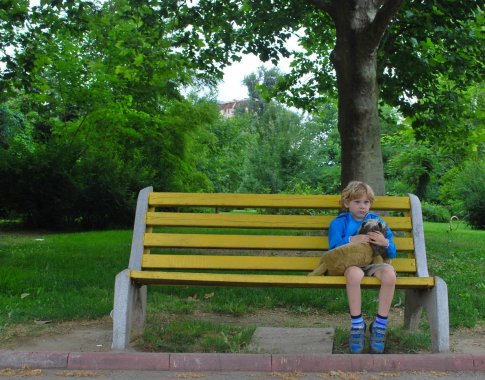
x,y
464,191
435,213
52,188
415,168
397,188
472,187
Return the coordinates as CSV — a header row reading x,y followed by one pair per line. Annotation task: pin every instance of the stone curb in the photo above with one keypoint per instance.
x,y
240,362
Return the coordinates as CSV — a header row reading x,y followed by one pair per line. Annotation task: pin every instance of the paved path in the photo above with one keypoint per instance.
x,y
279,356
154,375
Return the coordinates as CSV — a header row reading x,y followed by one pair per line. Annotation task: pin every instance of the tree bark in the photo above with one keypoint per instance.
x,y
360,25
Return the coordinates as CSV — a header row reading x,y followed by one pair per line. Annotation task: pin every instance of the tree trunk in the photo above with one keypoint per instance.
x,y
359,26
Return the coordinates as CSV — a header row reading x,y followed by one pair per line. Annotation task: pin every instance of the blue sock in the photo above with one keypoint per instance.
x,y
380,322
357,322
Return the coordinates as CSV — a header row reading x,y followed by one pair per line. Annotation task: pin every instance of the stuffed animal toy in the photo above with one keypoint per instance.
x,y
336,261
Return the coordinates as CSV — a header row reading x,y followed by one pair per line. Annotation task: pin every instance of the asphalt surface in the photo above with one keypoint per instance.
x,y
32,374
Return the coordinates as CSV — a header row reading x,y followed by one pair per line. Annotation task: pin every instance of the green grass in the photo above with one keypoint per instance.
x,y
59,276
185,334
70,276
459,258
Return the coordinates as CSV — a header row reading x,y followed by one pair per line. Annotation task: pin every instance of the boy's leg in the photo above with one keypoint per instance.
x,y
354,276
387,275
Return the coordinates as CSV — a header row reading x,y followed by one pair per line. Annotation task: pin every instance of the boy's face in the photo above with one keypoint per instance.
x,y
358,207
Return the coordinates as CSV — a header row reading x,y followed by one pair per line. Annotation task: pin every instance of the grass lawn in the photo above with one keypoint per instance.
x,y
59,277
70,276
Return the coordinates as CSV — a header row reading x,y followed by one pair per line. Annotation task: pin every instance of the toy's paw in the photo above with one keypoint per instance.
x,y
318,271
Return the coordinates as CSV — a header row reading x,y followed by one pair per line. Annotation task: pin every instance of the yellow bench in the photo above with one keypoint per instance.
x,y
214,244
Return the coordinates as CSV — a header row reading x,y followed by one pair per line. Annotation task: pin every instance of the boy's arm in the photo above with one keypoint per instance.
x,y
391,250
337,234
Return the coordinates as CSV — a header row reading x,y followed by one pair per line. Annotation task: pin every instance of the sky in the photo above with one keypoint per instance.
x,y
231,88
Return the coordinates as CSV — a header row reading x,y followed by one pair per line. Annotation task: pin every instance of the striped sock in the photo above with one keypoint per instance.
x,y
357,322
380,322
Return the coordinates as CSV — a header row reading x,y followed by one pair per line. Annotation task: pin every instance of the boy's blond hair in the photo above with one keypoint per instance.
x,y
355,190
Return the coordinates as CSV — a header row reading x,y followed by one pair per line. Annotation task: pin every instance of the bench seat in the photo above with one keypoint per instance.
x,y
262,280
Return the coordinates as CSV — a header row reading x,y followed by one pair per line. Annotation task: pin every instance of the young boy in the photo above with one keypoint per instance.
x,y
357,199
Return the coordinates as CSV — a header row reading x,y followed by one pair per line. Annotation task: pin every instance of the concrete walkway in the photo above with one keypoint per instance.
x,y
275,350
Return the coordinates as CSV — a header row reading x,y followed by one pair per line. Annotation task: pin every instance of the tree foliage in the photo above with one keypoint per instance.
x,y
464,192
268,148
101,87
426,56
94,104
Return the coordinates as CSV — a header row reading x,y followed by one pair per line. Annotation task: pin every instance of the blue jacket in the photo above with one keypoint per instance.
x,y
344,226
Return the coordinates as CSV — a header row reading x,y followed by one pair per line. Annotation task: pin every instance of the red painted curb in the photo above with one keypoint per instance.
x,y
118,360
374,363
220,362
241,362
479,362
311,363
42,360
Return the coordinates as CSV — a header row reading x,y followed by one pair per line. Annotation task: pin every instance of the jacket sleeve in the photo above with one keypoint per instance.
x,y
391,250
337,234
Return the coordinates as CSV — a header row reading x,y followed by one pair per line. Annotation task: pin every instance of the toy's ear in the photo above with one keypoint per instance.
x,y
380,225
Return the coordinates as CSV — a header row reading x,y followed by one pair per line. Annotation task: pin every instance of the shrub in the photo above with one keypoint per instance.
x,y
464,190
396,188
472,187
435,213
52,188
415,168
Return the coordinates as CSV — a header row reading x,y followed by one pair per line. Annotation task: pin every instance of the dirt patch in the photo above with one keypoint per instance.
x,y
73,336
468,341
95,336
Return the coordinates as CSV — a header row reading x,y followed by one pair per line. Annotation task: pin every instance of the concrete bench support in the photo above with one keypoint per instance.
x,y
435,303
129,310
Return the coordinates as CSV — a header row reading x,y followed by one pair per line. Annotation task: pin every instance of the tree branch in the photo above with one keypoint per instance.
x,y
384,15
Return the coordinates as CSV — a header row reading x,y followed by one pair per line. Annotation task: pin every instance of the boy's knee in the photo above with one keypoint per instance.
x,y
388,277
354,275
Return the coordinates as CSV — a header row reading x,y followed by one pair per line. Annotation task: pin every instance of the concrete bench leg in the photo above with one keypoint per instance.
x,y
129,310
435,301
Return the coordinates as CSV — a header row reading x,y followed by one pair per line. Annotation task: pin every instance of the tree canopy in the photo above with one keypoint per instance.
x,y
421,57
95,100
101,86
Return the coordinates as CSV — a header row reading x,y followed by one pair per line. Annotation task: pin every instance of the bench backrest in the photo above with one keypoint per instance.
x,y
276,232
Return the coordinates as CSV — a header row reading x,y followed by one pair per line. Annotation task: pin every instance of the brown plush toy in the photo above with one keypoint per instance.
x,y
336,261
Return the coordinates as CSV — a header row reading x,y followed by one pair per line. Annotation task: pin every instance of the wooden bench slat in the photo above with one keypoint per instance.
x,y
235,241
305,243
183,278
238,262
303,222
239,220
266,201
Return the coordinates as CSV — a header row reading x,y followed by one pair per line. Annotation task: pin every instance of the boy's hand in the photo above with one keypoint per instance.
x,y
378,238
